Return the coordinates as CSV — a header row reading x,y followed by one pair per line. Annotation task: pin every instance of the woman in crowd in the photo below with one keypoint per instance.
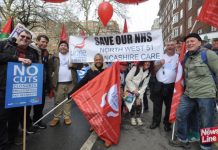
x,y
136,82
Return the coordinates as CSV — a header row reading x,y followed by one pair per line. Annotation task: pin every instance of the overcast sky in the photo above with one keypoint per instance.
x,y
141,16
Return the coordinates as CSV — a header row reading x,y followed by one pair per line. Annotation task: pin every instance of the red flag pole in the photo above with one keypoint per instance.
x,y
63,34
125,28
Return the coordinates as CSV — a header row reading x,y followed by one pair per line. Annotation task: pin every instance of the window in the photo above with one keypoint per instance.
x,y
181,30
213,28
175,32
176,18
199,10
175,4
181,1
200,31
189,4
181,13
189,22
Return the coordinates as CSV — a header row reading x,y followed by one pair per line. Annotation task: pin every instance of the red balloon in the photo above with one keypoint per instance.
x,y
131,1
105,12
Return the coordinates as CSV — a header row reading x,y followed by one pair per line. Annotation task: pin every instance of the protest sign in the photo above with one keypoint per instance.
x,y
19,27
138,46
24,85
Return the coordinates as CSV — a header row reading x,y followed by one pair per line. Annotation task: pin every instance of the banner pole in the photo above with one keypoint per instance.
x,y
193,26
24,128
50,111
173,133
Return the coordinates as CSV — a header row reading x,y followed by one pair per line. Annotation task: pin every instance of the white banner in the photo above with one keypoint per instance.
x,y
138,46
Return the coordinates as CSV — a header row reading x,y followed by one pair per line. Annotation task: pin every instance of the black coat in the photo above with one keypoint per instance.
x,y
91,74
8,53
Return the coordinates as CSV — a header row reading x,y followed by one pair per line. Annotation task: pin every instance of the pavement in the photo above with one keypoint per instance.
x,y
78,137
143,138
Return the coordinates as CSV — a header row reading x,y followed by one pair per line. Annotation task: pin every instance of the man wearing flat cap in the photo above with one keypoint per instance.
x,y
200,90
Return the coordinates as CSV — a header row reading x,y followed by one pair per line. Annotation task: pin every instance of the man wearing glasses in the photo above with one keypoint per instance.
x,y
13,50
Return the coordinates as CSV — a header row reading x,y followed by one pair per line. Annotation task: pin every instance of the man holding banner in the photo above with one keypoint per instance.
x,y
12,50
200,90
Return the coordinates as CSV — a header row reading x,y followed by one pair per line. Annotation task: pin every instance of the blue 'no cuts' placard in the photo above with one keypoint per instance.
x,y
24,85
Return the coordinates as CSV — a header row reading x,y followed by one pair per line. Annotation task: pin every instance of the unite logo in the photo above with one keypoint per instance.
x,y
82,44
112,98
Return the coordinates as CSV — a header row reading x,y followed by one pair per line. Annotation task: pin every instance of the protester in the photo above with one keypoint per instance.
x,y
164,86
123,73
95,69
147,93
41,45
13,50
200,90
179,45
215,45
215,49
136,82
62,78
98,67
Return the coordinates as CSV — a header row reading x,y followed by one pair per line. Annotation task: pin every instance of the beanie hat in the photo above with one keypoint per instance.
x,y
63,42
194,35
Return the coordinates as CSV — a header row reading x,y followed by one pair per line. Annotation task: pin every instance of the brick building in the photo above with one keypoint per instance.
x,y
177,17
156,24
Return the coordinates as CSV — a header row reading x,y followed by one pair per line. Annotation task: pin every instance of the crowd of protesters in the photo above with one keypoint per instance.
x,y
140,82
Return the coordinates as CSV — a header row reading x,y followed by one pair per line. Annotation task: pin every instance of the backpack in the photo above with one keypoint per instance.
x,y
205,60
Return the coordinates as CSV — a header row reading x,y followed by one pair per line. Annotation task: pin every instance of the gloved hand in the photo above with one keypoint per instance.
x,y
69,95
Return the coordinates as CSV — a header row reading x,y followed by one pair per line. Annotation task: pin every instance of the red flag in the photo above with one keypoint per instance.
x,y
209,13
125,28
64,35
100,102
178,89
7,29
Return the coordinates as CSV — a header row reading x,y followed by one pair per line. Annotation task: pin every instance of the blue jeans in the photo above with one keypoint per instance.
x,y
206,112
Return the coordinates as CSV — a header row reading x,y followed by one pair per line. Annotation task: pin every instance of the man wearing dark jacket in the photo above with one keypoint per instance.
x,y
95,69
12,50
41,45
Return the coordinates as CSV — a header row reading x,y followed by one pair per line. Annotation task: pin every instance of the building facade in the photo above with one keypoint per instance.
x,y
156,24
177,19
